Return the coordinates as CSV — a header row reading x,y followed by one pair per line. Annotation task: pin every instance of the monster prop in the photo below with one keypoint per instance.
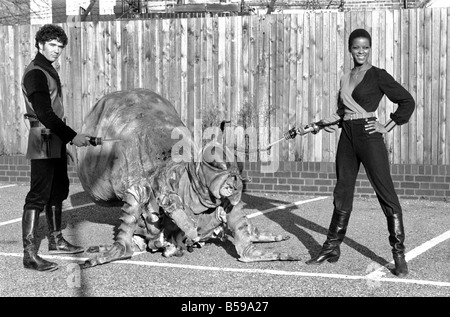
x,y
168,204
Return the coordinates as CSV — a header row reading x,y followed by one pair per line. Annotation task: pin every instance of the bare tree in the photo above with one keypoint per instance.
x,y
18,11
271,6
14,11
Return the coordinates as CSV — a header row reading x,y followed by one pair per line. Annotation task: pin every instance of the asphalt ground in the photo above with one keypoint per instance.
x,y
214,272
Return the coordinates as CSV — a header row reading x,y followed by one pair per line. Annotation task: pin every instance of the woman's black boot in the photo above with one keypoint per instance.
x,y
331,248
30,224
396,240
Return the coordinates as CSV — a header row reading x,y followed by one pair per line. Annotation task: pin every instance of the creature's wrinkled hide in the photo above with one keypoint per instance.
x,y
170,205
144,121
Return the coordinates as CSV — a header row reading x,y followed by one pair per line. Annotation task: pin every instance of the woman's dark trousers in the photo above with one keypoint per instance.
x,y
356,146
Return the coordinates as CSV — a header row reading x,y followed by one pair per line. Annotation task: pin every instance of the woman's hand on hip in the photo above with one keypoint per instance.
x,y
374,126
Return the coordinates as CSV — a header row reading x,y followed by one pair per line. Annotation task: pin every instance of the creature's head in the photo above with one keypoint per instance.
x,y
220,172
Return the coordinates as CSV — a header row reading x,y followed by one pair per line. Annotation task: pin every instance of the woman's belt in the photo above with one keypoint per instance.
x,y
355,116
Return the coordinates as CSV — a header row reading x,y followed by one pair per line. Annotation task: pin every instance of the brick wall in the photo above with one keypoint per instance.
x,y
16,169
430,182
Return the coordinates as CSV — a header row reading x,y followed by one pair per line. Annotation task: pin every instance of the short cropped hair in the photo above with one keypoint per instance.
x,y
50,32
358,33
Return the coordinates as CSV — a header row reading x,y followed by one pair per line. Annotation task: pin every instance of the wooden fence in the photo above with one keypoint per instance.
x,y
257,71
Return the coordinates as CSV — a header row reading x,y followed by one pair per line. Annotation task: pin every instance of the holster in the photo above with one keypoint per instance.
x,y
43,143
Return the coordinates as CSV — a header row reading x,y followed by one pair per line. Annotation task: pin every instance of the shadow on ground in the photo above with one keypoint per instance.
x,y
292,223
296,226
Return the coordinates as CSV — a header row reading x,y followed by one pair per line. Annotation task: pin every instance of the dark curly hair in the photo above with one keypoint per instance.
x,y
358,33
50,32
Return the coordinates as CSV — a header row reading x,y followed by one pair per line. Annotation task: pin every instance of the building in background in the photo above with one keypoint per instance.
x,y
61,11
436,4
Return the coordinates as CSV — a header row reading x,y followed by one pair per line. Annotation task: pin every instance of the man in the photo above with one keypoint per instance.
x,y
49,185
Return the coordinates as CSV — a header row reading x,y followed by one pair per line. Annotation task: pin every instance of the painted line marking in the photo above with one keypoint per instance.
x,y
300,202
414,252
43,214
6,186
249,271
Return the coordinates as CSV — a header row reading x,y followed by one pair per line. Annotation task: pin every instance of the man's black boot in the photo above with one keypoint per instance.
x,y
30,224
336,233
396,240
56,243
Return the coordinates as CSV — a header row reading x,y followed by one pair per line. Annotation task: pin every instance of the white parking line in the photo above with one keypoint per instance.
x,y
248,216
42,214
415,252
6,186
300,202
285,273
245,271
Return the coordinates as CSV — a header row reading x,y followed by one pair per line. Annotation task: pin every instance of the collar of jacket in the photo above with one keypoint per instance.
x,y
41,61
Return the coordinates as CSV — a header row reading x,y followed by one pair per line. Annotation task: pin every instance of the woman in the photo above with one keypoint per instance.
x,y
361,141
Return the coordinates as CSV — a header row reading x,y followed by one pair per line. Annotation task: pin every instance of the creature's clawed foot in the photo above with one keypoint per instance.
x,y
107,254
281,238
288,257
172,250
99,248
268,237
255,255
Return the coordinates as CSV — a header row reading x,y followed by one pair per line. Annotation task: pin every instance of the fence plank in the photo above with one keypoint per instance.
x,y
235,59
305,141
263,97
209,105
427,126
404,77
411,80
317,100
220,77
421,81
10,88
191,73
442,83
254,45
3,90
197,105
292,85
25,52
393,56
300,99
165,46
447,95
436,42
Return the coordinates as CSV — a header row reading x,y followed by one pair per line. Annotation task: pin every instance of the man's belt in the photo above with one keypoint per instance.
x,y
355,116
35,124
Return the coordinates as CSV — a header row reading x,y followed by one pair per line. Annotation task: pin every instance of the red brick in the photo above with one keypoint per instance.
x,y
268,180
439,186
409,185
295,181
